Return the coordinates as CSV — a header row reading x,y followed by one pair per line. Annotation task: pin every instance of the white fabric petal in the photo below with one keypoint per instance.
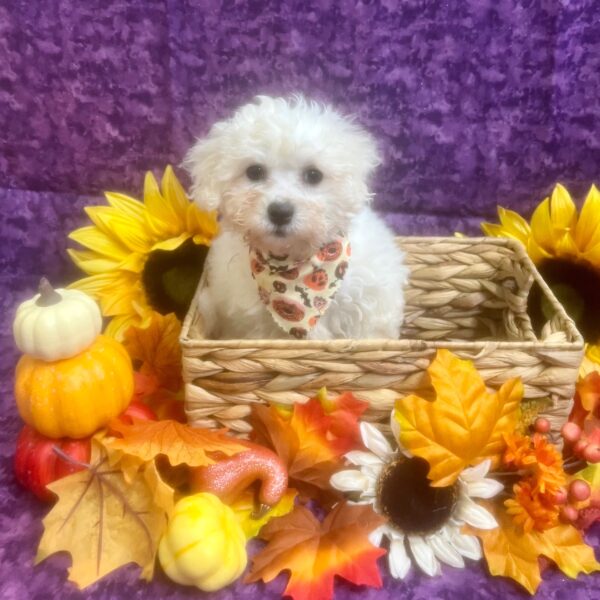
x,y
374,440
424,556
363,459
398,559
467,545
376,535
445,552
484,488
477,472
349,481
474,515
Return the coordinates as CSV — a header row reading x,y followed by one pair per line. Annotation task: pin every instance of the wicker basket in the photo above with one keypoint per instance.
x,y
465,294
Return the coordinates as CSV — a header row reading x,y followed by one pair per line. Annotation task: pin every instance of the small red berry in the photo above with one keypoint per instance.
x,y
579,490
569,513
541,425
579,447
571,432
592,453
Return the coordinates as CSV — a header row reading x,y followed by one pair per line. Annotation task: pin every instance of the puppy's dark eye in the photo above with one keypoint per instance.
x,y
256,173
312,176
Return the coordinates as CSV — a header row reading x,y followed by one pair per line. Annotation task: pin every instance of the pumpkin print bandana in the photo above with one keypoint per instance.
x,y
297,294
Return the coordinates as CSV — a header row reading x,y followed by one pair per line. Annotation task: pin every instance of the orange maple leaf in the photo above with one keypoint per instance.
x,y
316,552
181,444
464,425
311,441
156,349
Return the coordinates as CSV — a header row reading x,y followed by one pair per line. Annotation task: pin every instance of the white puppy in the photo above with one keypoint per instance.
x,y
289,179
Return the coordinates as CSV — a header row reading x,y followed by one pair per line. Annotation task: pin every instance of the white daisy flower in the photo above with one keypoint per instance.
x,y
424,522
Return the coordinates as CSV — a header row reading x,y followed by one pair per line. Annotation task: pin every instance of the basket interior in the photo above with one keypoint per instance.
x,y
462,289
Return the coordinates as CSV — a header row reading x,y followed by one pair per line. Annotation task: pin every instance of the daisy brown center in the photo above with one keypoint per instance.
x,y
576,286
170,277
408,500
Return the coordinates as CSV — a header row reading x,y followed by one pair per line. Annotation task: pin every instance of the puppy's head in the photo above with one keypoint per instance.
x,y
289,175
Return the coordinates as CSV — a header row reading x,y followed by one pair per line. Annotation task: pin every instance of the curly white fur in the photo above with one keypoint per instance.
x,y
286,137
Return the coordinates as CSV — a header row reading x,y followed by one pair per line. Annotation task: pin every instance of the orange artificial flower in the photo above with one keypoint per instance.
x,y
534,505
531,509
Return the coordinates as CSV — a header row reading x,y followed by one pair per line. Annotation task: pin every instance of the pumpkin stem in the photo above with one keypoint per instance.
x,y
48,296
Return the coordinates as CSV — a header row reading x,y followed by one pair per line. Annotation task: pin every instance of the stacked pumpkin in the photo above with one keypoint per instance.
x,y
70,382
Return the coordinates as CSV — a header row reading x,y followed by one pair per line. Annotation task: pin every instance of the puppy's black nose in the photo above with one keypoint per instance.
x,y
280,213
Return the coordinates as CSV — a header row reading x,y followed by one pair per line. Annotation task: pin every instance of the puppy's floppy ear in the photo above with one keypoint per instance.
x,y
202,163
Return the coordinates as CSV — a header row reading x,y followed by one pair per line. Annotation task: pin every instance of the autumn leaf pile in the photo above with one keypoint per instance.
x,y
115,510
465,425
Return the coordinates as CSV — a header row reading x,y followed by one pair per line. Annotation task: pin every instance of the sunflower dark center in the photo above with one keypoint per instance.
x,y
408,500
577,288
170,277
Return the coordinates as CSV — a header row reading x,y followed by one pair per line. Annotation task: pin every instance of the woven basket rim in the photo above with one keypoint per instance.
x,y
576,342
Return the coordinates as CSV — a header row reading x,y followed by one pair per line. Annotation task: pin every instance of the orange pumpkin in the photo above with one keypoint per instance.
x,y
76,396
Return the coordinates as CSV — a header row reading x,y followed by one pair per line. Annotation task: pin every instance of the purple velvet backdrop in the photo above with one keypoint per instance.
x,y
474,103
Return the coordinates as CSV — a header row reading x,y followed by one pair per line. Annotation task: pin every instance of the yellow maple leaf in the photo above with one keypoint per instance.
x,y
103,522
465,423
510,552
180,443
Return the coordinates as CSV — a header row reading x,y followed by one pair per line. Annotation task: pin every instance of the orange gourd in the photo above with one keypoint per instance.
x,y
76,396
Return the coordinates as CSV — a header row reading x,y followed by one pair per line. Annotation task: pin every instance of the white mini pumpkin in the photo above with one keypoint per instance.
x,y
56,324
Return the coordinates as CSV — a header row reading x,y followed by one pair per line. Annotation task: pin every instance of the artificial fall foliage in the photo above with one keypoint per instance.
x,y
156,349
465,423
510,552
315,552
104,522
244,506
311,439
181,444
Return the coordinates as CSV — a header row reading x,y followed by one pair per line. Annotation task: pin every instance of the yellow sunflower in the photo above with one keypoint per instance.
x,y
565,246
145,256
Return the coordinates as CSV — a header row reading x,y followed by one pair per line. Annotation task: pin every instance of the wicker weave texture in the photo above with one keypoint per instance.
x,y
465,294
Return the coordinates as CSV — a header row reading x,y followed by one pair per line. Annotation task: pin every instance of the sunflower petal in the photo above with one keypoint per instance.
x,y
171,243
117,326
515,224
445,552
563,212
493,230
175,195
474,515
565,246
467,545
132,233
90,262
587,231
199,221
424,555
125,205
160,216
96,285
541,226
398,559
349,481
91,237
375,441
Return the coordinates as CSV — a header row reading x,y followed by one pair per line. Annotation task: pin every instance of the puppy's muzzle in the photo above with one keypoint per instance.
x,y
280,213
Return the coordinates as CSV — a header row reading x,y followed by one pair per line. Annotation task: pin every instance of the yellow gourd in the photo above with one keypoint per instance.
x,y
76,396
204,544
